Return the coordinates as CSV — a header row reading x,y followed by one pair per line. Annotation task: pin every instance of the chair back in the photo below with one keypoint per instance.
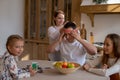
x,y
115,76
54,56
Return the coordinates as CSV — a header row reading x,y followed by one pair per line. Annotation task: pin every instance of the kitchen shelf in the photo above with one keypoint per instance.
x,y
92,10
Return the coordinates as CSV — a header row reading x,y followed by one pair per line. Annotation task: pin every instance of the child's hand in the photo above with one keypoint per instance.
x,y
86,66
105,66
32,72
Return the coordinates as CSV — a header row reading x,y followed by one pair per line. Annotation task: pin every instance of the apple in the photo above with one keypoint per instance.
x,y
71,65
64,65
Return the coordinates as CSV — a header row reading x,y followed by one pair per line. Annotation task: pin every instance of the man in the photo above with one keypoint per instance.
x,y
71,46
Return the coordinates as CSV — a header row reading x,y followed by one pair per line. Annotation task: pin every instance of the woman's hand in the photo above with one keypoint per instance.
x,y
62,28
61,37
105,66
86,66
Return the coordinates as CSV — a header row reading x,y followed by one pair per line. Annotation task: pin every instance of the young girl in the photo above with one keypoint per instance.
x,y
15,46
109,64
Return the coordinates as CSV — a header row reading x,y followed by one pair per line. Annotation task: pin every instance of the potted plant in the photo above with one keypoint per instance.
x,y
100,1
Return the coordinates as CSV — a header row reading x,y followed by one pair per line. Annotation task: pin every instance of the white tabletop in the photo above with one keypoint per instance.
x,y
52,74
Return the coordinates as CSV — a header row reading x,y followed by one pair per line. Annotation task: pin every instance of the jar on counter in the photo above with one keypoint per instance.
x,y
83,32
91,37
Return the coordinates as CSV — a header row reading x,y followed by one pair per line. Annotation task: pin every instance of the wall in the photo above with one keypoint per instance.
x,y
11,20
103,25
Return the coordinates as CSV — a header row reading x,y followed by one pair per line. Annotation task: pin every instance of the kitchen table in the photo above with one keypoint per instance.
x,y
49,73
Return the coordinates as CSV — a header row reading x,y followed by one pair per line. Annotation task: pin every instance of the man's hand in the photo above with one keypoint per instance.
x,y
75,34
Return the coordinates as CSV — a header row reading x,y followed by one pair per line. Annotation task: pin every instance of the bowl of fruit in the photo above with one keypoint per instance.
x,y
66,67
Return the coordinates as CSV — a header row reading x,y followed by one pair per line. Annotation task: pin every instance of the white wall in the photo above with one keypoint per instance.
x,y
11,20
90,2
103,24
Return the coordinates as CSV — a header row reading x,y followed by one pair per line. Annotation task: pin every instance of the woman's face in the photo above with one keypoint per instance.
x,y
108,46
59,20
16,48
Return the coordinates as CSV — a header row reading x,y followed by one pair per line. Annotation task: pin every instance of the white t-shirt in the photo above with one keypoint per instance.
x,y
74,52
53,34
114,67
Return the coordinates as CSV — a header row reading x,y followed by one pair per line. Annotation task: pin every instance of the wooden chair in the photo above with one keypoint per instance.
x,y
115,77
54,56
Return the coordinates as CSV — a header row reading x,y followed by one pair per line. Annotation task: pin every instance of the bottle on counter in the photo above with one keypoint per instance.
x,y
91,37
83,32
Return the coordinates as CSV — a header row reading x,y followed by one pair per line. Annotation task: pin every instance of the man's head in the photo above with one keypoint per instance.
x,y
68,27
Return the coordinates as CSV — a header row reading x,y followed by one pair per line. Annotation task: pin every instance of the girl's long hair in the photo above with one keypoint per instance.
x,y
115,38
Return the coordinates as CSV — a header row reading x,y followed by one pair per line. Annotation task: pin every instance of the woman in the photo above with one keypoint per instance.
x,y
109,64
54,31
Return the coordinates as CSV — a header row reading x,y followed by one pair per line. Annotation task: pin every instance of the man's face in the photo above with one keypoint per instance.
x,y
68,35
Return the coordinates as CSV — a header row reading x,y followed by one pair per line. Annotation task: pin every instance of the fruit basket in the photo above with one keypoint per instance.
x,y
66,67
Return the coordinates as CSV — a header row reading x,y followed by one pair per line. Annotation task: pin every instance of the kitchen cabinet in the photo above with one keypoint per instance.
x,y
37,20
38,17
92,10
